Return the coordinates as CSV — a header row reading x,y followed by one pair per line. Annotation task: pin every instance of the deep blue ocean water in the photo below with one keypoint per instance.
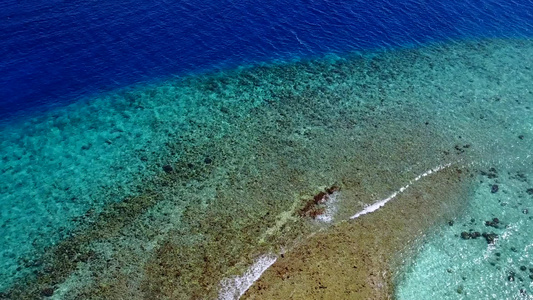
x,y
54,52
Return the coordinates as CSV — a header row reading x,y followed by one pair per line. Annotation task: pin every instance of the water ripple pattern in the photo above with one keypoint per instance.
x,y
55,52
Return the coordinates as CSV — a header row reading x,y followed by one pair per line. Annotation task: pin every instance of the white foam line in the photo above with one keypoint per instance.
x,y
381,203
234,287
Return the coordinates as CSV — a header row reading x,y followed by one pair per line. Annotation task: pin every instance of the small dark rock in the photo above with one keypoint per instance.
x,y
511,276
168,168
521,137
332,189
523,268
529,191
208,161
320,198
489,237
494,188
465,235
525,211
48,269
531,276
472,220
450,223
491,173
514,249
520,177
47,292
498,254
460,289
190,166
144,158
494,223
475,235
36,263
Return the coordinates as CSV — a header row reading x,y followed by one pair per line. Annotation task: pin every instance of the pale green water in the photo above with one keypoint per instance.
x,y
449,267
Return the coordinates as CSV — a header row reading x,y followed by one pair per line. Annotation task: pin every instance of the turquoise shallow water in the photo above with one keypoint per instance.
x,y
451,264
231,155
451,267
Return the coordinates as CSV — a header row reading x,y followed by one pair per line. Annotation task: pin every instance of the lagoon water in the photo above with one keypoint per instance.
x,y
154,150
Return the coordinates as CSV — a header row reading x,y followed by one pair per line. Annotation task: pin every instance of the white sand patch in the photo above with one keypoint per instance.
x,y
381,203
234,287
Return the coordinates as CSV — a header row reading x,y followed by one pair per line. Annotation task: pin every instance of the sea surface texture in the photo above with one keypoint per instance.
x,y
266,150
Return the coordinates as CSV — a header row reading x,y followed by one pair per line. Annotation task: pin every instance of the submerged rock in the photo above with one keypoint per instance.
x,y
494,223
320,198
47,292
494,188
511,276
475,235
315,207
490,237
168,168
470,235
491,174
332,189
